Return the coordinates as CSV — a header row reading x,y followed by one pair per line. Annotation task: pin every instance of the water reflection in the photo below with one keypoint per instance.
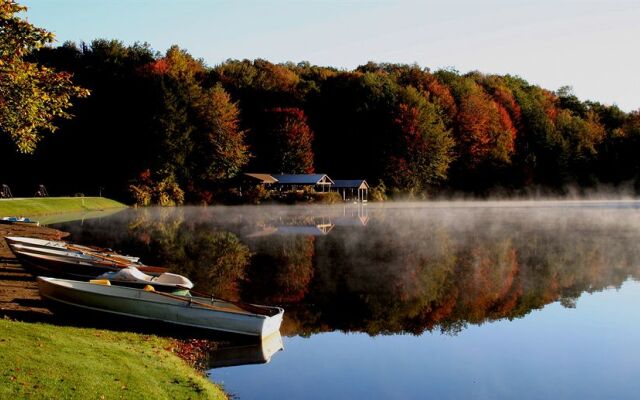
x,y
235,354
386,269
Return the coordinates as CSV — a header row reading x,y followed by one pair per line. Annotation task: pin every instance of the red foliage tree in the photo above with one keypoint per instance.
x,y
485,130
285,143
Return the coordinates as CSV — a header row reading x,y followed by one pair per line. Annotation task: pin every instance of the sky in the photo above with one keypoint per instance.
x,y
590,45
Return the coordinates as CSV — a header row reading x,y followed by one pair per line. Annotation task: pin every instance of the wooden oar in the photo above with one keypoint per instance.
x,y
119,262
249,307
94,248
198,303
113,259
99,253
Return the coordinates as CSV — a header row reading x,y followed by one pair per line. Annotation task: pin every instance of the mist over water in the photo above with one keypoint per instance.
x,y
391,268
453,299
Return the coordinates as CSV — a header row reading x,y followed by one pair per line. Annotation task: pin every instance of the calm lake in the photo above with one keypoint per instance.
x,y
527,300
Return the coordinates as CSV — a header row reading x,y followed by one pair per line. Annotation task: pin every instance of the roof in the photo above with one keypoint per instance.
x,y
263,178
302,179
350,183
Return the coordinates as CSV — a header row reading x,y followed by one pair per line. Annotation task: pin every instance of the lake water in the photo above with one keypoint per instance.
x,y
528,300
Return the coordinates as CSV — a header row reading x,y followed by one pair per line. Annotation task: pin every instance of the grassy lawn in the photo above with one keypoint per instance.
x,y
46,361
30,207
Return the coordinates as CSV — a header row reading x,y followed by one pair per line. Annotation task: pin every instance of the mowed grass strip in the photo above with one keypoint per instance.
x,y
31,207
52,362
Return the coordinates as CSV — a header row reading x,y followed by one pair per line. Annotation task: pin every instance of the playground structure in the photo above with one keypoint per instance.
x,y
41,192
5,192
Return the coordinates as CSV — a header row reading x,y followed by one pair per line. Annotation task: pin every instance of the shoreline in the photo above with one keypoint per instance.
x,y
20,304
19,298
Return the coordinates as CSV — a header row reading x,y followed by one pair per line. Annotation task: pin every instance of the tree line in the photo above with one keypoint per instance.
x,y
167,128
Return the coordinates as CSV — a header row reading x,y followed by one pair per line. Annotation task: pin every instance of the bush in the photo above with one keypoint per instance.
x,y
141,194
378,192
256,195
327,198
165,192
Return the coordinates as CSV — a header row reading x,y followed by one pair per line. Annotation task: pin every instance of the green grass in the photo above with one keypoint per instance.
x,y
31,207
40,361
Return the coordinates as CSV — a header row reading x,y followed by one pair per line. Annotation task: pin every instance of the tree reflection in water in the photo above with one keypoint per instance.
x,y
394,270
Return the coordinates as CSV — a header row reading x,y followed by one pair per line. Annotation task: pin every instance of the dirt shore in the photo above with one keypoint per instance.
x,y
19,297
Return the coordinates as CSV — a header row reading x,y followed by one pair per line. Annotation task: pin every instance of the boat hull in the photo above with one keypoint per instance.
x,y
142,304
64,246
38,264
47,262
62,263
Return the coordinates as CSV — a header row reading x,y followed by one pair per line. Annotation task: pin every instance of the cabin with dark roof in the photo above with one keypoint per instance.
x,y
349,189
319,182
352,189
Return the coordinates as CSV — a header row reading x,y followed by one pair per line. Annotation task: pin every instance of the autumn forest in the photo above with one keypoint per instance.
x,y
170,129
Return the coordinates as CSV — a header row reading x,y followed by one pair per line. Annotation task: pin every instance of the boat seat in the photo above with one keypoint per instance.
x,y
129,274
133,274
173,279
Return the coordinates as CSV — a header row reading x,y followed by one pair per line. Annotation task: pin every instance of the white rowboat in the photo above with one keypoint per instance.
x,y
198,312
69,264
64,246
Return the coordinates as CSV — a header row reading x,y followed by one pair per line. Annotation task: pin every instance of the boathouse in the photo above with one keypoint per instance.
x,y
352,189
349,189
319,182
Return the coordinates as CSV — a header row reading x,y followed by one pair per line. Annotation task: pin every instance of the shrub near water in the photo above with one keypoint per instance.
x,y
45,361
327,198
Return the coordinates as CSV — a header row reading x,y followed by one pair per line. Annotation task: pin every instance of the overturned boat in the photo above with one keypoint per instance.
x,y
198,312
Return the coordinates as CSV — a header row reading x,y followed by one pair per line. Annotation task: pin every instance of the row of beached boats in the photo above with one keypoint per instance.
x,y
18,221
99,280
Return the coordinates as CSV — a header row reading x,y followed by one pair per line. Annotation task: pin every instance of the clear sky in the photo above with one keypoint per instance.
x,y
591,45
